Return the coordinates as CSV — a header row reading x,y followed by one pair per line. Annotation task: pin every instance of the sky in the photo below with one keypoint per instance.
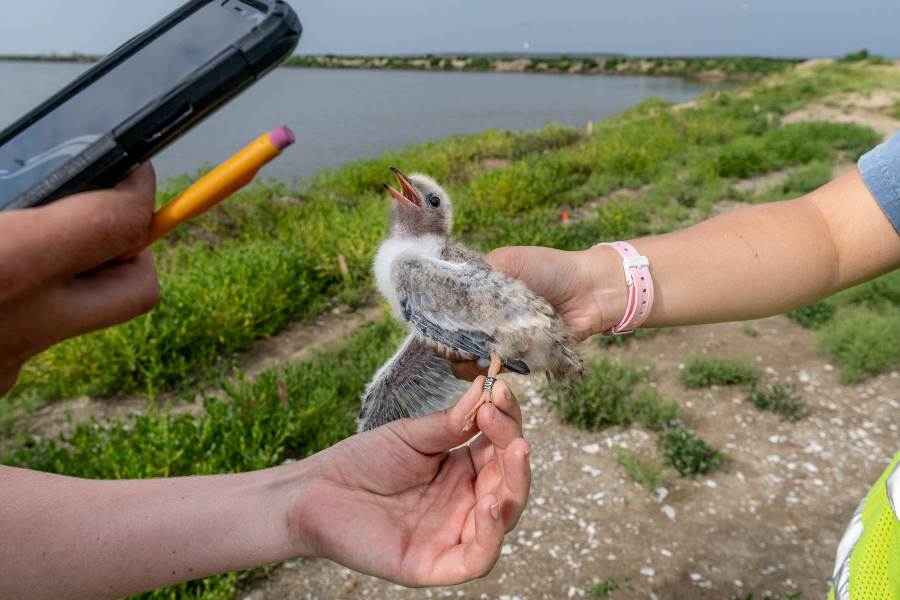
x,y
799,28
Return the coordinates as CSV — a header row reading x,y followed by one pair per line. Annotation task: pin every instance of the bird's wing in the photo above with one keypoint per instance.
x,y
465,307
414,383
460,254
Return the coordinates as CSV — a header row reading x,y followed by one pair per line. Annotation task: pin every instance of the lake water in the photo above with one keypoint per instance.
x,y
340,115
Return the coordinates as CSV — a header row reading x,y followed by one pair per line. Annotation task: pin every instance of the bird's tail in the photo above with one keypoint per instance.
x,y
568,366
515,365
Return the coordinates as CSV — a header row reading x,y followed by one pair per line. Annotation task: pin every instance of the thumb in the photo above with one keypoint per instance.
x,y
441,431
509,260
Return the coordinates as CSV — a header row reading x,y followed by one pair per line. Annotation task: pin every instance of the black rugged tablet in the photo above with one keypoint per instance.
x,y
139,99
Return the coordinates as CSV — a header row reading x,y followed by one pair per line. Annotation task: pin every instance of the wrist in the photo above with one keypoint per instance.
x,y
608,291
299,517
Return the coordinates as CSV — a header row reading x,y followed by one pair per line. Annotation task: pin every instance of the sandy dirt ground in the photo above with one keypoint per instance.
x,y
769,523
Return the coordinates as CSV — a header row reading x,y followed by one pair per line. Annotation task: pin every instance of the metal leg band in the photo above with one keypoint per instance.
x,y
489,384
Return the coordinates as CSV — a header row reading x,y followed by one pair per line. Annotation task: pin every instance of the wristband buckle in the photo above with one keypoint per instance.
x,y
634,262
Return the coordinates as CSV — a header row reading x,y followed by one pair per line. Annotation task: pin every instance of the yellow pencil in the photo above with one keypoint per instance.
x,y
222,182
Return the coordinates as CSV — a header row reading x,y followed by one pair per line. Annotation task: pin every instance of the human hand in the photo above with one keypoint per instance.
x,y
583,287
56,281
397,503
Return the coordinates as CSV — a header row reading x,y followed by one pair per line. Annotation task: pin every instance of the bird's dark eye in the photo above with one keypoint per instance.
x,y
434,201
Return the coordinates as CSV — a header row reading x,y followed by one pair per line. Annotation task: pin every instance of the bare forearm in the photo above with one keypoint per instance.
x,y
76,538
764,260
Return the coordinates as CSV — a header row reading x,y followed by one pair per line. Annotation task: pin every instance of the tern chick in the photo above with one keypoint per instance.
x,y
453,302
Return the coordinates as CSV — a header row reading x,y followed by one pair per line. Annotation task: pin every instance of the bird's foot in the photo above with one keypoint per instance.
x,y
487,397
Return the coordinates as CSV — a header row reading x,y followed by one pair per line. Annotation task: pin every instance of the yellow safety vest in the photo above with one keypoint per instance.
x,y
868,558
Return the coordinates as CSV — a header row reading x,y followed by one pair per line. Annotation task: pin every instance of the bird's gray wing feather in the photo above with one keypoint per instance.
x,y
414,383
463,306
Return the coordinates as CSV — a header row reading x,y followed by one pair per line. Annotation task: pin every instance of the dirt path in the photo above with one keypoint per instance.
x,y
769,523
865,110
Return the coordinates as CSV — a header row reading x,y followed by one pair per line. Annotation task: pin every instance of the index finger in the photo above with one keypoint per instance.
x,y
58,241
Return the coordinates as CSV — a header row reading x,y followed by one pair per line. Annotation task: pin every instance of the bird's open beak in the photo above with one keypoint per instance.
x,y
407,193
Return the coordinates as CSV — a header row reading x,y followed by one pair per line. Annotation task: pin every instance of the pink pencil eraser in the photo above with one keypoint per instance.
x,y
282,137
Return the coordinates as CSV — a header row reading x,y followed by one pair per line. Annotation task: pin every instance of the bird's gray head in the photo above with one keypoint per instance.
x,y
421,207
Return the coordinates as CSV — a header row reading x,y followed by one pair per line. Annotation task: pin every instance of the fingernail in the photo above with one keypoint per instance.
x,y
495,511
528,454
498,416
508,394
484,363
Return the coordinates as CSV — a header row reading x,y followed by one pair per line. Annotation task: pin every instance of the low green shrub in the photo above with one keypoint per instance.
x,y
743,158
815,315
781,400
688,454
609,585
856,56
482,64
862,341
649,473
614,394
703,370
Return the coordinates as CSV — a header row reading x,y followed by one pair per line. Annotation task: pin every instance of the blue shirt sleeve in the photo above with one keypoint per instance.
x,y
880,169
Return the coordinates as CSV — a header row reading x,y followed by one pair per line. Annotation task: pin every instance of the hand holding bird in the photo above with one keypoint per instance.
x,y
421,514
454,303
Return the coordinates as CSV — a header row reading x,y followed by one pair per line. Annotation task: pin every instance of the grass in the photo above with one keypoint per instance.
x,y
862,341
688,454
614,394
855,327
649,473
781,400
815,315
247,427
609,585
703,370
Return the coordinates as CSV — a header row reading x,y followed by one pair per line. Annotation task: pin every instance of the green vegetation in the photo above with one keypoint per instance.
x,y
737,68
703,370
749,330
614,394
609,585
481,64
815,315
249,426
688,454
862,341
781,400
649,473
855,327
801,181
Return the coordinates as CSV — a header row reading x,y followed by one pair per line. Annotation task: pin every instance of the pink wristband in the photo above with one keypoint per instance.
x,y
640,288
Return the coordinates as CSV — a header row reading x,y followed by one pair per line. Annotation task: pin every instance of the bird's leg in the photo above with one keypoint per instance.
x,y
487,395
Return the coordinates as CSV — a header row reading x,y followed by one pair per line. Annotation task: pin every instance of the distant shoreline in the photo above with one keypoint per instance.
x,y
709,69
